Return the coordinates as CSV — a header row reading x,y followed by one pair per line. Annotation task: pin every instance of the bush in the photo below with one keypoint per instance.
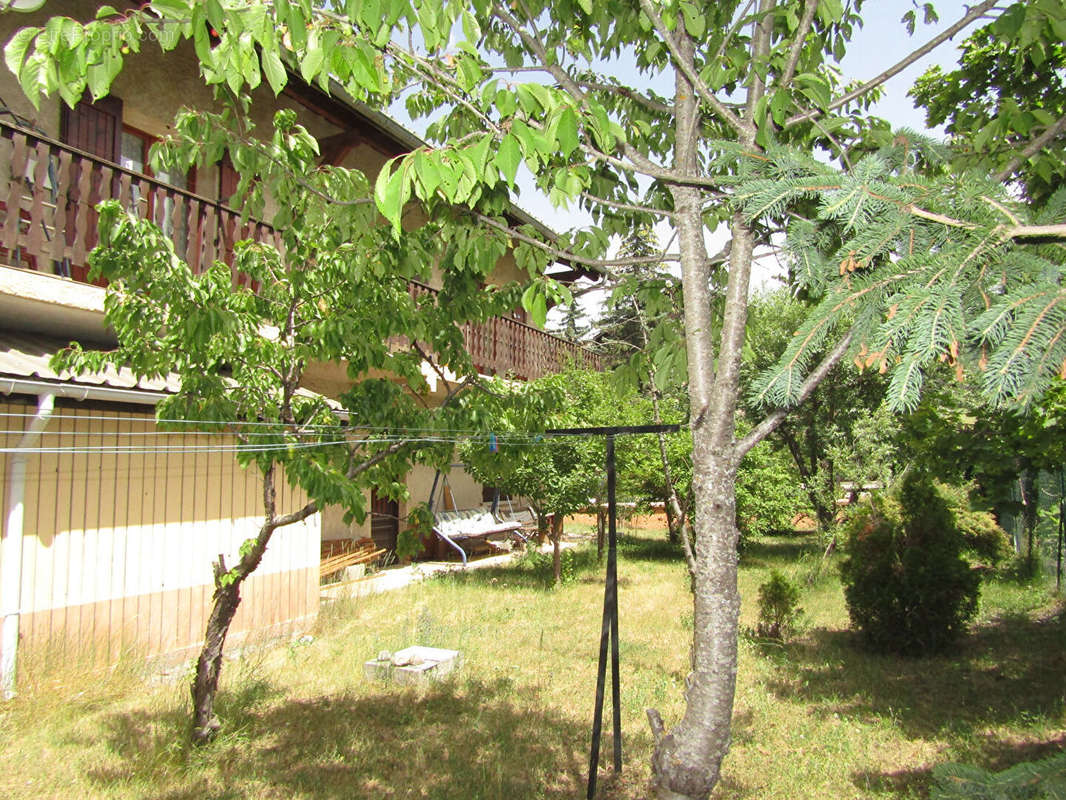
x,y
908,588
778,607
983,539
1030,780
768,492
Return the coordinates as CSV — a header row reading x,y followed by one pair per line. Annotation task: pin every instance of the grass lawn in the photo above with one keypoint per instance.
x,y
816,718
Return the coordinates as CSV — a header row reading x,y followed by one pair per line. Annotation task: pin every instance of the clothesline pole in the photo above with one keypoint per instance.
x,y
609,629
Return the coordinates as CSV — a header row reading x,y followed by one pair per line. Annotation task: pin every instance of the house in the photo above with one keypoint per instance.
x,y
107,540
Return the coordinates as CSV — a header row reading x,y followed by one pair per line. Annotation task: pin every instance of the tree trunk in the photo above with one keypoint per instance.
x,y
1030,507
687,761
227,598
824,514
672,534
209,665
601,532
542,527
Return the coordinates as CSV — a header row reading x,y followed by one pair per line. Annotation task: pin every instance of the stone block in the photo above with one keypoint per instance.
x,y
413,666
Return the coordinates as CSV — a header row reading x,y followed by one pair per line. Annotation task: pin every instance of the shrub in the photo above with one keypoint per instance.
x,y
1030,780
778,607
983,539
908,588
768,492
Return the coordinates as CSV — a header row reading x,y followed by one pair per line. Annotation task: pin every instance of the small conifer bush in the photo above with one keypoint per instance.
x,y
907,586
778,607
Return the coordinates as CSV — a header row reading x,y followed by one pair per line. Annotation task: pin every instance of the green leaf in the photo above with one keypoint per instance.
x,y
1010,21
274,70
15,51
566,133
535,302
508,157
100,76
313,59
385,200
426,172
471,29
830,11
695,22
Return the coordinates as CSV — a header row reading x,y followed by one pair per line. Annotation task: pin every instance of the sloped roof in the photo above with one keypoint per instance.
x,y
27,356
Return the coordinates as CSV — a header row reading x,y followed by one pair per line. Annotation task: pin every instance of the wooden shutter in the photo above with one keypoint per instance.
x,y
384,521
95,128
227,179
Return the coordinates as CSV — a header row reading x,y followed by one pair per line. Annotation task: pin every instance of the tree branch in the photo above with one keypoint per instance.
x,y
640,162
628,94
296,516
1034,146
627,206
602,265
775,418
797,43
760,49
689,70
973,14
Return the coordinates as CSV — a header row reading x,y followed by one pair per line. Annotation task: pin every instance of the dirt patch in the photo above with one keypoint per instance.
x,y
651,522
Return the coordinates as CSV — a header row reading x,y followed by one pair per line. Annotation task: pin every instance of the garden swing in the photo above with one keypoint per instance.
x,y
468,524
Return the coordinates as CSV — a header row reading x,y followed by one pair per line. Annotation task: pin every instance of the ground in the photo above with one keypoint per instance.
x,y
816,717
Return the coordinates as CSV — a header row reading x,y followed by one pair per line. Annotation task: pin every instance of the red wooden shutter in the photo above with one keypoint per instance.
x,y
227,179
95,128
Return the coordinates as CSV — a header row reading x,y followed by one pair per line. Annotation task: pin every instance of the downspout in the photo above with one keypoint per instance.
x,y
11,551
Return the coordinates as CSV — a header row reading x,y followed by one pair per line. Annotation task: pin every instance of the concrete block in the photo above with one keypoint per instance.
x,y
414,666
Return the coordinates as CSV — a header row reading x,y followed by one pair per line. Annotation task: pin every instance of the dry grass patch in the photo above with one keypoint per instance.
x,y
814,718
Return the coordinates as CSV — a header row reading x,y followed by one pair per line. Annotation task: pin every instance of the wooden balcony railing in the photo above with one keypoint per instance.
x,y
49,224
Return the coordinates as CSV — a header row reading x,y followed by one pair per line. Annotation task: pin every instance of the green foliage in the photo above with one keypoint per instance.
x,y
957,438
241,353
1029,780
983,539
904,264
779,608
768,492
572,563
557,474
908,588
842,432
907,264
1009,88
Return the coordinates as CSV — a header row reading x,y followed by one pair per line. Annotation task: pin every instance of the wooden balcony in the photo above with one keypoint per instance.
x,y
48,223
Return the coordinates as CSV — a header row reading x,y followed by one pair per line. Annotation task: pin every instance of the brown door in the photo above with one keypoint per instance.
x,y
384,521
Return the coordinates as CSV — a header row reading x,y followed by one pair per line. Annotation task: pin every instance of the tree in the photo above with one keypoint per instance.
x,y
903,269
999,451
1005,104
241,354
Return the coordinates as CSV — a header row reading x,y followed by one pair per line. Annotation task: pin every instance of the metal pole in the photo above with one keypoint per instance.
x,y
608,633
601,679
612,582
609,630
